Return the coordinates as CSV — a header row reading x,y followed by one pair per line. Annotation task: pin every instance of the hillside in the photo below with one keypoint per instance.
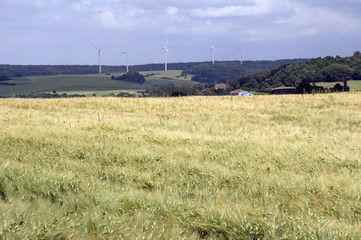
x,y
249,67
328,69
265,167
222,72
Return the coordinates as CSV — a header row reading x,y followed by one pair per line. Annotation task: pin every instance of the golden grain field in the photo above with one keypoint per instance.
x,y
262,167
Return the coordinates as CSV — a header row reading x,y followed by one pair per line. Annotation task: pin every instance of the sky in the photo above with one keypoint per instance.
x,y
65,31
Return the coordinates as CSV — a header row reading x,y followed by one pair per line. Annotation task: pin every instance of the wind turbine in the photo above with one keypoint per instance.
x,y
99,50
166,51
240,52
126,58
213,49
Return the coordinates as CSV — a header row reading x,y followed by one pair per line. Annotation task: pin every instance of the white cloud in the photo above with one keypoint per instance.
x,y
108,19
255,8
172,11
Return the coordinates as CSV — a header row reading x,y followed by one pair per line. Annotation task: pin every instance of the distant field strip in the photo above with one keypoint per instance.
x,y
263,167
87,82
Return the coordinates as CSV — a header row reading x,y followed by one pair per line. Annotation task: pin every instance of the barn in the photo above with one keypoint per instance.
x,y
283,90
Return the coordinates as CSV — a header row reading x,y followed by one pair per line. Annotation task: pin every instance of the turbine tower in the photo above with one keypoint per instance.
x,y
213,49
166,51
240,52
126,58
99,50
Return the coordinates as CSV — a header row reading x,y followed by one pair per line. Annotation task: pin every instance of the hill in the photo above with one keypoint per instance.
x,y
265,167
222,72
328,69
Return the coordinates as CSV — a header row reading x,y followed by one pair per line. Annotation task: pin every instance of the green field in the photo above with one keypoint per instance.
x,y
262,167
91,84
355,85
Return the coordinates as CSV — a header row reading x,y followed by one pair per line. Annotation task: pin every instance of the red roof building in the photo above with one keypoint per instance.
x,y
241,92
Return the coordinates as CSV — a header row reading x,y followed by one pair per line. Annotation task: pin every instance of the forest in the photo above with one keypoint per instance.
x,y
327,69
221,72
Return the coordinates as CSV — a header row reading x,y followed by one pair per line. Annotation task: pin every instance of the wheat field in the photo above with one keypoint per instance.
x,y
262,167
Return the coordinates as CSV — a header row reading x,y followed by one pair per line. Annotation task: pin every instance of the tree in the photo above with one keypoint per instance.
x,y
357,73
338,87
304,87
131,77
357,54
312,76
252,84
337,72
4,78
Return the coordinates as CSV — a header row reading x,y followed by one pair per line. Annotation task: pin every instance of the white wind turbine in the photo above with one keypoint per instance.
x,y
213,49
99,50
166,51
240,52
126,58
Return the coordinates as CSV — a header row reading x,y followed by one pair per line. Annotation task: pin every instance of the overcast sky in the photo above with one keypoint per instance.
x,y
64,31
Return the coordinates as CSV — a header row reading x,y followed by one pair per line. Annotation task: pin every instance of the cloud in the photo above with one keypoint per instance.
x,y
172,11
255,8
185,23
324,21
108,19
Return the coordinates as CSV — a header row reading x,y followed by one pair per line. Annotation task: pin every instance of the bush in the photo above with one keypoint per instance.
x,y
134,77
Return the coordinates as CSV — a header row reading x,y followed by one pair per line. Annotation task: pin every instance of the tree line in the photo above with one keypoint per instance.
x,y
227,69
8,70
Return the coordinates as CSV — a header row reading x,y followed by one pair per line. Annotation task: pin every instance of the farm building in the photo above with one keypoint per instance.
x,y
220,86
240,92
287,90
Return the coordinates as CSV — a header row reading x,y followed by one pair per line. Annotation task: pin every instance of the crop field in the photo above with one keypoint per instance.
x,y
262,167
90,83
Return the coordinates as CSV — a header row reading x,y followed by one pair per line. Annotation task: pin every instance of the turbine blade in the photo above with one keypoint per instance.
x,y
95,46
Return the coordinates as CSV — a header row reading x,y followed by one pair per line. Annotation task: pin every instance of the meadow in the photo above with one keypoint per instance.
x,y
262,167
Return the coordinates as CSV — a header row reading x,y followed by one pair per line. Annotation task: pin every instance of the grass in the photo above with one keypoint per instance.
x,y
355,85
93,83
263,167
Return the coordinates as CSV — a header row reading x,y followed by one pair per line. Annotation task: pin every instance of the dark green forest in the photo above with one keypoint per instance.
x,y
328,69
221,72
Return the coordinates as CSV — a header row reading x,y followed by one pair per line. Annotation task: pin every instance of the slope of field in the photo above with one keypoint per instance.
x,y
263,167
93,83
355,85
